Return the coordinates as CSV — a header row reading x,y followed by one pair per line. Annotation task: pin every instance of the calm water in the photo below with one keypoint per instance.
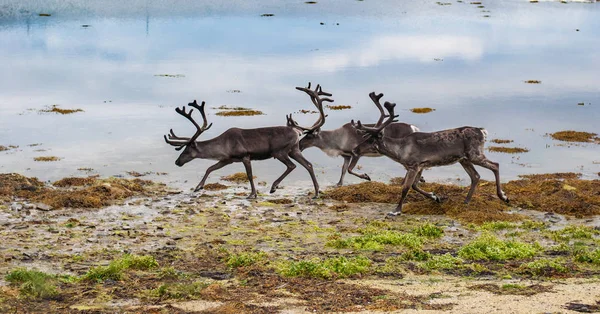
x,y
469,67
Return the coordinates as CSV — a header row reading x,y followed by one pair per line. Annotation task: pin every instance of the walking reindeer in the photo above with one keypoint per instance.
x,y
342,141
421,150
245,145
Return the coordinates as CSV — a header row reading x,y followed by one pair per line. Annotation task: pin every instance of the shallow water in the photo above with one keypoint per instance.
x,y
470,68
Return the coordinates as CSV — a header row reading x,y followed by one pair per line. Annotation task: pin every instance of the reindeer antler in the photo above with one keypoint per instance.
x,y
372,131
315,97
183,141
375,99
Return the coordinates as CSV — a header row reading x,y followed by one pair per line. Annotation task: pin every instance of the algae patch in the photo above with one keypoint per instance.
x,y
215,186
89,192
501,141
47,158
74,181
575,136
422,110
237,111
508,150
338,107
170,75
56,109
238,177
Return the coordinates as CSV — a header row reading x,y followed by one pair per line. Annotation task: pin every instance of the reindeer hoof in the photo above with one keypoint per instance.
x,y
437,199
339,184
393,214
273,190
421,179
251,196
366,177
198,188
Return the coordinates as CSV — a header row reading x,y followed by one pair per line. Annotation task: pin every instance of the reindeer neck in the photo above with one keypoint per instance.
x,y
209,149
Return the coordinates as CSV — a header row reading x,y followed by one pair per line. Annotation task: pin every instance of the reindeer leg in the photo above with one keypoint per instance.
x,y
415,186
297,156
470,169
219,165
495,167
410,177
246,162
344,169
353,163
290,166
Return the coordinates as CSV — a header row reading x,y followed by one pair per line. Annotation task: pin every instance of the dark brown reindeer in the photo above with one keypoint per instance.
x,y
342,141
245,145
420,150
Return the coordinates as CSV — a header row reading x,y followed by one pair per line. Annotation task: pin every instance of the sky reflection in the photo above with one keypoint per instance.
x,y
470,68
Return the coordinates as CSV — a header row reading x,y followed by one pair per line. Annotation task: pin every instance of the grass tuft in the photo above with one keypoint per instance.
x,y
544,267
337,267
33,283
490,247
497,225
573,232
375,240
428,230
245,259
179,290
117,267
591,257
442,262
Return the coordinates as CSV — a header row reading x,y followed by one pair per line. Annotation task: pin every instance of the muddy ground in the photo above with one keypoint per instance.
x,y
145,247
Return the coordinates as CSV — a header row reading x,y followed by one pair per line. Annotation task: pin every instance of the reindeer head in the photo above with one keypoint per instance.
x,y
188,144
374,135
312,135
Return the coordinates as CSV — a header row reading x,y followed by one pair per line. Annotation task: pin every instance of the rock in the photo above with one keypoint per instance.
x,y
16,206
216,275
92,240
30,206
42,206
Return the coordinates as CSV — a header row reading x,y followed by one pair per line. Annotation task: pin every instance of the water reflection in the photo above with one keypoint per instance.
x,y
470,68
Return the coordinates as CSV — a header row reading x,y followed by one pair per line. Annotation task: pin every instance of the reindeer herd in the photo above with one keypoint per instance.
x,y
401,142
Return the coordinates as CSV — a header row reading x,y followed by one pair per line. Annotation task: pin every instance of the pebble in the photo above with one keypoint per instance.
x,y
42,206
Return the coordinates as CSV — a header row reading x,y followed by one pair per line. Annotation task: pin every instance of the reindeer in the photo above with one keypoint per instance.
x,y
245,145
342,141
421,150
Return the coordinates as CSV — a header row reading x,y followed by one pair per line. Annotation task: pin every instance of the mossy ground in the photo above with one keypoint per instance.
x,y
74,192
261,257
562,193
